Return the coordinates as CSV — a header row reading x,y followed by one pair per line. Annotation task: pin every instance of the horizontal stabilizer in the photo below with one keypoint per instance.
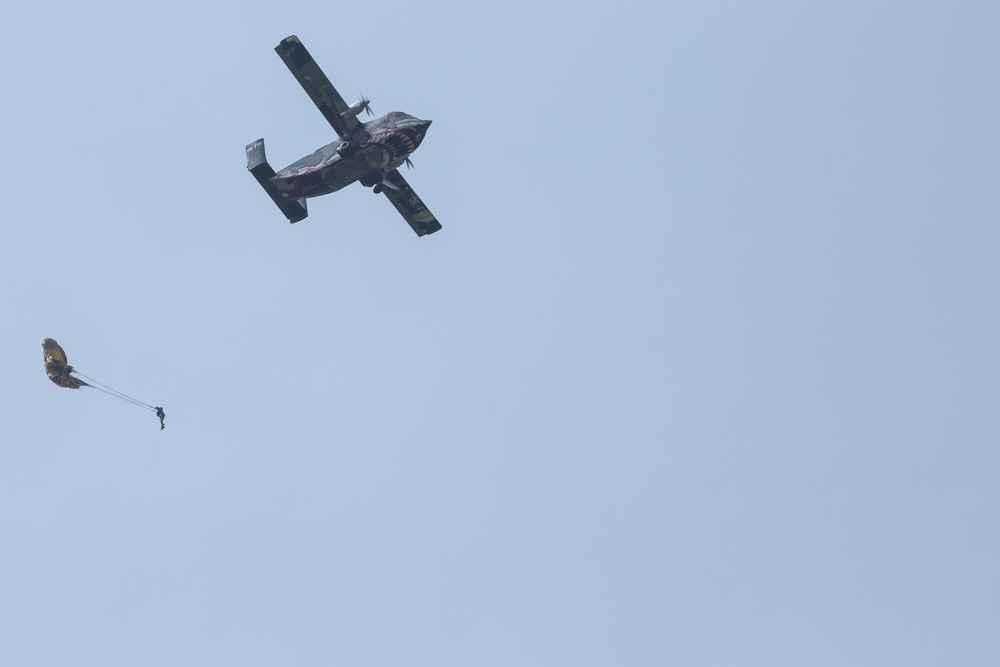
x,y
294,209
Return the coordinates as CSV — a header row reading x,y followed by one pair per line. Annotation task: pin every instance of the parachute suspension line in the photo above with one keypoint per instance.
x,y
100,386
126,399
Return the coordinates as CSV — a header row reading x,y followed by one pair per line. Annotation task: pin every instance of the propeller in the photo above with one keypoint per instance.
x,y
364,102
355,109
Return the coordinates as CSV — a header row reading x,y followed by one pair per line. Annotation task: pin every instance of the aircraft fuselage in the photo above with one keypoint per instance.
x,y
377,147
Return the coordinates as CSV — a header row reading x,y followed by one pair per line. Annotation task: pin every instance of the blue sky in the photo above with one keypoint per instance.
x,y
701,370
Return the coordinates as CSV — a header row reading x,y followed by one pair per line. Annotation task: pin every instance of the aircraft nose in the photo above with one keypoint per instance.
x,y
422,129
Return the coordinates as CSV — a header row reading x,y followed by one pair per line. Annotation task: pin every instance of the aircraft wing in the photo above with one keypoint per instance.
x,y
408,204
320,90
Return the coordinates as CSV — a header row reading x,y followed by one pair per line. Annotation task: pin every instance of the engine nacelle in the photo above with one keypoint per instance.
x,y
357,108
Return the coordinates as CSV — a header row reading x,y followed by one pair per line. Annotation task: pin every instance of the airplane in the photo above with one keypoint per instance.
x,y
369,153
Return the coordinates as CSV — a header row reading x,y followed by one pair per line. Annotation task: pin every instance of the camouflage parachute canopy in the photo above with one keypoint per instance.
x,y
56,366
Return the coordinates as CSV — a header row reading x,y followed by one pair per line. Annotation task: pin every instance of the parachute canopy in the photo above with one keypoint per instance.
x,y
56,366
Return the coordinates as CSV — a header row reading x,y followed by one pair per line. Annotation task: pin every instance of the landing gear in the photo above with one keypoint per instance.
x,y
377,188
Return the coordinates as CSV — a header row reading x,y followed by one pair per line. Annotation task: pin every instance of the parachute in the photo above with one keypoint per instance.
x,y
61,373
56,366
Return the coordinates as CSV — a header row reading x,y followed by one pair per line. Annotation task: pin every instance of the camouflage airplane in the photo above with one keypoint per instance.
x,y
367,152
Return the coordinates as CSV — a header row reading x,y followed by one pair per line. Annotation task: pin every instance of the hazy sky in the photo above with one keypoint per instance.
x,y
702,369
